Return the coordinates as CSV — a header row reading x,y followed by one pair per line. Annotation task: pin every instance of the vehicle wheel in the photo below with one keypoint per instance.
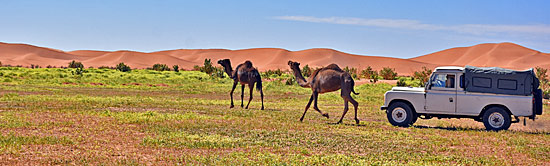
x,y
496,119
400,114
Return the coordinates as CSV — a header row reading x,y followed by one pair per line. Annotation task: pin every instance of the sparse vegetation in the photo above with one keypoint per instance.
x,y
50,117
306,71
160,67
209,69
176,68
423,76
123,67
544,84
388,73
352,71
75,64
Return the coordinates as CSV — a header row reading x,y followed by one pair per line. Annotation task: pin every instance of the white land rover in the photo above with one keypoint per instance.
x,y
489,95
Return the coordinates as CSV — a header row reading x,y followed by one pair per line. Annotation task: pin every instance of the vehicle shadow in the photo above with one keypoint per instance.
x,y
448,128
477,129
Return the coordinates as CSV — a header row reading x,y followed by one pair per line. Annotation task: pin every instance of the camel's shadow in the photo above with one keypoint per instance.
x,y
346,124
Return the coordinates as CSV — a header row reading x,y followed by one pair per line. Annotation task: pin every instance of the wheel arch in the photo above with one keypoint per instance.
x,y
487,107
403,101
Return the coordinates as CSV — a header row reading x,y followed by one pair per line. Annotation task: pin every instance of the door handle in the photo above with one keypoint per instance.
x,y
450,99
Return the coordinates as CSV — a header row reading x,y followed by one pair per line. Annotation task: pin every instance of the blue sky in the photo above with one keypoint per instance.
x,y
389,28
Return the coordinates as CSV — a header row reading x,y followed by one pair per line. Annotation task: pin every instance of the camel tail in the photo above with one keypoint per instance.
x,y
258,80
352,87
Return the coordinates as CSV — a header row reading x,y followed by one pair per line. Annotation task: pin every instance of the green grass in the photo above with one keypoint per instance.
x,y
49,116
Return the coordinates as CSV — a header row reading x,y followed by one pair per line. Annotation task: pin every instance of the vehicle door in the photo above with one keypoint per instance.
x,y
441,93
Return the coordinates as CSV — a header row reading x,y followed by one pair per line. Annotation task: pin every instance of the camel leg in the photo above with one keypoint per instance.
x,y
355,105
242,95
346,94
345,110
231,94
307,107
316,94
251,87
262,95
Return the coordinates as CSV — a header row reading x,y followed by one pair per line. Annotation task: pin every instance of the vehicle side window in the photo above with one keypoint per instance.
x,y
462,81
443,81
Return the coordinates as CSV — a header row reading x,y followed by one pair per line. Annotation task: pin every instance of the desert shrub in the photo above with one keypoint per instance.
x,y
352,71
306,71
160,67
543,79
33,66
209,69
75,64
402,82
290,81
423,76
388,73
374,77
123,67
104,67
367,72
270,73
176,68
79,71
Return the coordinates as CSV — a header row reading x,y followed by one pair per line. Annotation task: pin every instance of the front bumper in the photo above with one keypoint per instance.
x,y
383,108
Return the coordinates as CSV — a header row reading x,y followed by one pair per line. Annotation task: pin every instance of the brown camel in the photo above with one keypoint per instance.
x,y
327,79
245,74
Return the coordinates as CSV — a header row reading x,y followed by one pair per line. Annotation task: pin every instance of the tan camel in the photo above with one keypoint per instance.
x,y
245,74
327,79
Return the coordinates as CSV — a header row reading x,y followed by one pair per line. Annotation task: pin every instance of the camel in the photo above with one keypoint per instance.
x,y
245,74
327,79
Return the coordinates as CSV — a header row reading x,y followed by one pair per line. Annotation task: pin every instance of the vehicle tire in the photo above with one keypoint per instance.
x,y
400,114
496,119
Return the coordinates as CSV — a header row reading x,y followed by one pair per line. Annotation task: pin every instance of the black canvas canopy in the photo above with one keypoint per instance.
x,y
500,81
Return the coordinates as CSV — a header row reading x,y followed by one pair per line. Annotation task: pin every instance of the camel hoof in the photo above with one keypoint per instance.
x,y
231,106
326,115
357,121
262,108
339,122
301,119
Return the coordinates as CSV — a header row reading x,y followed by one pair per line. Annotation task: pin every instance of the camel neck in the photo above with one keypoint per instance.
x,y
300,78
229,70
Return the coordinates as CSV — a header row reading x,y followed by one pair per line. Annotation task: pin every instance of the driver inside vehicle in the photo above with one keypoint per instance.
x,y
450,82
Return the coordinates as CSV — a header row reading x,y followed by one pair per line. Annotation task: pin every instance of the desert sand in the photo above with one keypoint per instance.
x,y
507,55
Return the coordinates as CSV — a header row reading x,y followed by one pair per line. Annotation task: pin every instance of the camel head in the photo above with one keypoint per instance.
x,y
224,62
293,65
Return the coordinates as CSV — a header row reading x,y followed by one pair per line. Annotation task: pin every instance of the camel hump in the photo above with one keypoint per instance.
x,y
333,67
248,64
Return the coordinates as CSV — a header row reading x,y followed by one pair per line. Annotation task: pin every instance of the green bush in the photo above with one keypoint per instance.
x,y
123,67
209,69
388,73
270,73
160,67
367,72
176,68
352,71
75,64
306,71
402,82
423,76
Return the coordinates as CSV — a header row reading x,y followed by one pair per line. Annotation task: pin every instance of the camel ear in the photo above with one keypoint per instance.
x,y
289,62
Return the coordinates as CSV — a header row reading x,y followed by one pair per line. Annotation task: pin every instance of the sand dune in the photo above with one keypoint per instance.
x,y
506,55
